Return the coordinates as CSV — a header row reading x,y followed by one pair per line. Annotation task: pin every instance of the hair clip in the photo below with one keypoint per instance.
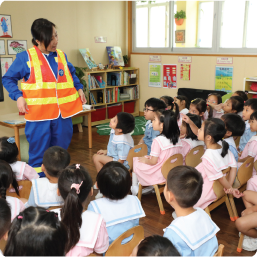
x,y
206,104
192,101
11,140
20,217
56,215
244,101
77,187
77,166
166,109
47,210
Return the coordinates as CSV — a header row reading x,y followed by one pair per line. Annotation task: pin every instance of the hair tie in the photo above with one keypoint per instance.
x,y
11,140
47,210
206,104
77,187
20,217
192,101
77,166
244,101
166,109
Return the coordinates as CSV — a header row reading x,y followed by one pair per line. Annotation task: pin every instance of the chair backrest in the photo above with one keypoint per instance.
x,y
237,141
117,249
193,158
55,207
220,250
2,244
136,151
174,161
245,171
24,192
218,188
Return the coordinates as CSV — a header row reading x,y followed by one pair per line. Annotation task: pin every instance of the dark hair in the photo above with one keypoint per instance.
x,y
8,151
183,98
252,103
7,178
216,129
234,123
55,159
170,125
155,103
72,208
253,116
156,246
37,233
242,94
114,181
42,30
126,122
237,103
197,121
218,97
186,183
5,217
169,101
201,106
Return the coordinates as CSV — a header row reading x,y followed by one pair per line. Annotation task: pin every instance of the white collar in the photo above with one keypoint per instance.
x,y
123,138
193,143
229,140
165,143
247,125
253,138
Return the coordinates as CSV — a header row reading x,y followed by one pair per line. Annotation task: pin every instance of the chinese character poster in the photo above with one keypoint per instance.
x,y
185,71
170,76
223,78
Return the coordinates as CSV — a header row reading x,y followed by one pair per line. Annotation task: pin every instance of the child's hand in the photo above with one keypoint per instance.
x,y
182,136
218,107
236,193
185,118
142,159
102,152
239,154
228,191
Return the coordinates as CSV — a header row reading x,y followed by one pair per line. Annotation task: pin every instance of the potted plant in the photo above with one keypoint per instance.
x,y
81,76
126,60
179,17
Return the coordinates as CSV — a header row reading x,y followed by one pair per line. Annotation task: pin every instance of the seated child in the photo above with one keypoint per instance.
x,y
183,103
189,139
148,169
235,127
250,106
7,178
44,190
9,153
87,230
215,159
120,210
120,141
247,224
213,100
193,232
169,101
242,94
5,220
199,107
151,105
235,104
155,246
36,232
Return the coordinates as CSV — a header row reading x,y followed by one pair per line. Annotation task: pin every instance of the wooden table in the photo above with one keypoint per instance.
x,y
16,127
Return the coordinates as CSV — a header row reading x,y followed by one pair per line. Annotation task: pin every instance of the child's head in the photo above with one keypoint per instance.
x,y
234,125
152,105
185,128
155,246
241,94
169,101
5,218
165,121
250,106
8,149
184,186
55,159
214,98
74,185
114,181
198,106
36,232
253,121
212,131
182,102
234,104
7,178
124,122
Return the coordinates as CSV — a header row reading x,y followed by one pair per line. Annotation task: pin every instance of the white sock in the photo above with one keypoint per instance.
x,y
134,179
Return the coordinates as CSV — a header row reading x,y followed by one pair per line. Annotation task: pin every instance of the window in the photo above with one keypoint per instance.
x,y
209,27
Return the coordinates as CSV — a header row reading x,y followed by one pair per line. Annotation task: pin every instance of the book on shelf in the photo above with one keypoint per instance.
x,y
95,82
114,78
92,99
124,97
133,92
115,55
109,95
88,58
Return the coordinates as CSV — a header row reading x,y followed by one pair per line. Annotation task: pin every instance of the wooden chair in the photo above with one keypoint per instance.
x,y
220,250
237,141
54,207
2,245
24,192
117,249
193,158
241,239
142,152
221,197
167,166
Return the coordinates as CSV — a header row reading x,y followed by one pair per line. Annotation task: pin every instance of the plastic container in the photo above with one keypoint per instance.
x,y
99,114
113,110
129,107
132,80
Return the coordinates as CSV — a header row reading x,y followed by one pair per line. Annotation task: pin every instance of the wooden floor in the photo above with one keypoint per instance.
x,y
154,222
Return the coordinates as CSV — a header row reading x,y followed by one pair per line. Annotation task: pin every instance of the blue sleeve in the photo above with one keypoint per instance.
x,y
31,201
90,208
76,81
245,138
234,152
123,150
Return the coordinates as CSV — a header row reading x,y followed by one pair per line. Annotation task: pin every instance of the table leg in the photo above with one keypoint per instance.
x,y
17,141
89,130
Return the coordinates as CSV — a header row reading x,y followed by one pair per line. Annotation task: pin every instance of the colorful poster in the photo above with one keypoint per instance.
x,y
155,75
185,70
6,26
223,78
170,76
6,62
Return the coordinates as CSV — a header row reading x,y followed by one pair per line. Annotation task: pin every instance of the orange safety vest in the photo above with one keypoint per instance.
x,y
47,97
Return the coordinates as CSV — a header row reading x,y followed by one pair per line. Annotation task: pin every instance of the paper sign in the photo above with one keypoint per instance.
x,y
154,75
186,59
154,58
100,39
223,78
170,76
185,71
224,60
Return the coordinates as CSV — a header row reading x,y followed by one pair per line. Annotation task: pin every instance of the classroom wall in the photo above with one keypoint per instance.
x,y
78,22
202,74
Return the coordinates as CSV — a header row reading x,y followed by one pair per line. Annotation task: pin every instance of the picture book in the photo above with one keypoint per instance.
x,y
115,55
88,58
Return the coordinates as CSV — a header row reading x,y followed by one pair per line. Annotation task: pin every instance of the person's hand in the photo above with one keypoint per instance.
x,y
185,118
82,96
228,191
247,211
236,193
102,152
142,159
218,107
182,136
22,105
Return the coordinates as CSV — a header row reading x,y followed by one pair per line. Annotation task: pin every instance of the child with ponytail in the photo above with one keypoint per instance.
x,y
199,107
86,230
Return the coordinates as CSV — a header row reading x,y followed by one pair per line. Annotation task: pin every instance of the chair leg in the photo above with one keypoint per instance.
x,y
139,195
157,192
241,239
207,211
230,210
232,203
